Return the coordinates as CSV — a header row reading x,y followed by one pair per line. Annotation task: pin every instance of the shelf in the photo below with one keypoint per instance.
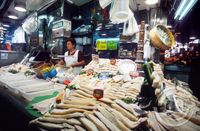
x,y
77,19
34,62
87,55
141,41
121,57
84,45
125,42
139,61
55,58
140,51
82,34
60,56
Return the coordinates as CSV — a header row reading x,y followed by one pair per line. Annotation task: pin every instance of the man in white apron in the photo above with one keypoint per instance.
x,y
73,58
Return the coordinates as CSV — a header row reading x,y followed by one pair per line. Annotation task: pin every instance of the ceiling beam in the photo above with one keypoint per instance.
x,y
5,8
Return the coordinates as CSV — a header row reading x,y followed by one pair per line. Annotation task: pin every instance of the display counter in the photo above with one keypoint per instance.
x,y
179,72
83,108
107,95
13,111
10,57
18,94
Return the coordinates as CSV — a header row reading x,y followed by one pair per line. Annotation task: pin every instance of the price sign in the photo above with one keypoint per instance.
x,y
101,45
112,45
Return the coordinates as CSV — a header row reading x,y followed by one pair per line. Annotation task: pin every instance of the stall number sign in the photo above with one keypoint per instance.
x,y
101,45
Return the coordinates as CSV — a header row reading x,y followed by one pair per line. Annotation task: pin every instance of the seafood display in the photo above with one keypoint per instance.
x,y
79,108
118,109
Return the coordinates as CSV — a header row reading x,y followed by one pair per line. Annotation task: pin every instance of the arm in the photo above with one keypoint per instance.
x,y
61,63
81,63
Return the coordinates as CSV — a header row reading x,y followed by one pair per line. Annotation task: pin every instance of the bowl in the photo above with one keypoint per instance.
x,y
161,37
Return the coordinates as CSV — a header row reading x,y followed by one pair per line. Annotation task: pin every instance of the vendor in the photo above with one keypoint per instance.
x,y
73,58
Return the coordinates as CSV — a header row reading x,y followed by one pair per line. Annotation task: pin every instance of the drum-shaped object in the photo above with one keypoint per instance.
x,y
161,37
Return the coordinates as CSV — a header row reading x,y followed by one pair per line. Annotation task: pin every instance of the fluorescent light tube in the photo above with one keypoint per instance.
x,y
180,8
189,6
169,26
192,38
13,17
6,25
70,1
151,2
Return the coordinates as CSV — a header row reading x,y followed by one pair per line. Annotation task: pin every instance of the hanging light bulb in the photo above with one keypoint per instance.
x,y
12,16
20,6
151,2
6,25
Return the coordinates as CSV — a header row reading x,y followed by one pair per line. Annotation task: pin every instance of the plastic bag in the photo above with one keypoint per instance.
x,y
132,27
120,12
31,24
19,36
129,30
125,28
104,3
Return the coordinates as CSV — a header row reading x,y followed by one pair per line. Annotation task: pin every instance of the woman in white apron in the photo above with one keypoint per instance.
x,y
73,58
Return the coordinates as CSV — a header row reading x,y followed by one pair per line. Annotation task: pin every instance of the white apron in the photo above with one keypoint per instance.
x,y
72,59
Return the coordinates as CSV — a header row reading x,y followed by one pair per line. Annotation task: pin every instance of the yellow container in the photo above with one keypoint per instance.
x,y
157,40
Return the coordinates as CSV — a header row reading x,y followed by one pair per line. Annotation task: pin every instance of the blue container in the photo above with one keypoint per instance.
x,y
52,73
45,75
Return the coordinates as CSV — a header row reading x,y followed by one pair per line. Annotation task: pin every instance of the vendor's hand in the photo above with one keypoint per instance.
x,y
59,65
69,66
70,70
72,66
